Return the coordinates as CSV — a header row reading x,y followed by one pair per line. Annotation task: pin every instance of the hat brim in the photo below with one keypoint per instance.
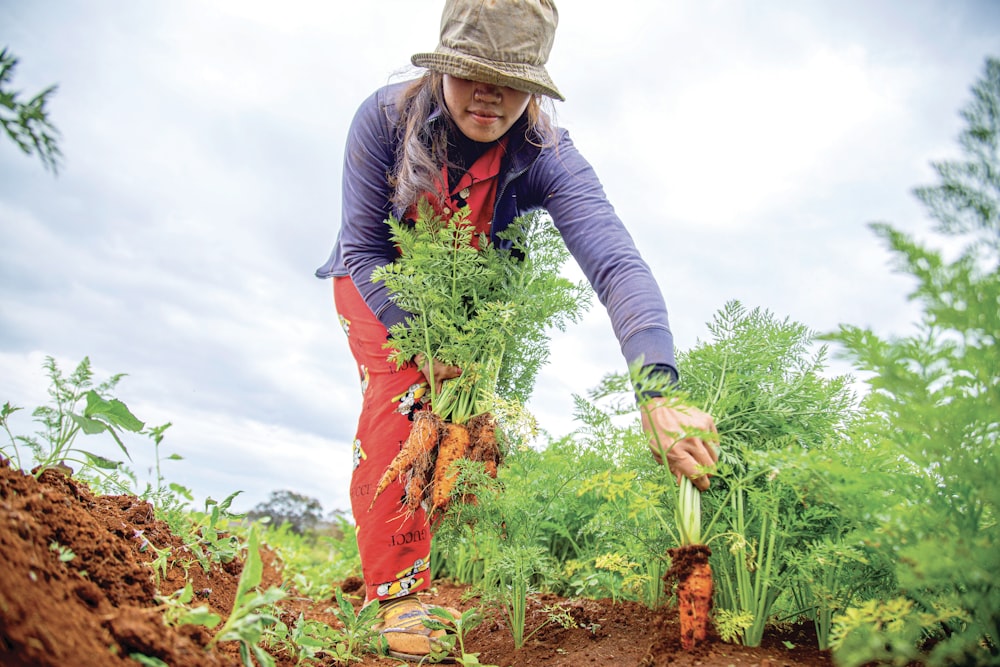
x,y
528,78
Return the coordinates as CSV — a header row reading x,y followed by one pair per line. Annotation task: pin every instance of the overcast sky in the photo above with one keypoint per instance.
x,y
745,144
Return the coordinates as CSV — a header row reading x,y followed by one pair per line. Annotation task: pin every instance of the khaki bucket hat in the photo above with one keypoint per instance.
x,y
503,42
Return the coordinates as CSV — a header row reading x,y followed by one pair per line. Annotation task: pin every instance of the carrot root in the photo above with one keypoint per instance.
x,y
454,444
689,565
422,439
483,432
420,477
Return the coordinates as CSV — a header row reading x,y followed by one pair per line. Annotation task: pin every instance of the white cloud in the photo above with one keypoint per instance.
x,y
764,134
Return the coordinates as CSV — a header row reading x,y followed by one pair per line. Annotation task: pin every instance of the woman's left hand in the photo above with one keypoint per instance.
x,y
439,371
683,435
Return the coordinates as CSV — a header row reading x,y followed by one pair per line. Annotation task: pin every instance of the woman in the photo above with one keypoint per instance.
x,y
471,132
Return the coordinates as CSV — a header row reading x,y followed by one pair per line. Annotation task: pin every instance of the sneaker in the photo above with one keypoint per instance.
x,y
402,625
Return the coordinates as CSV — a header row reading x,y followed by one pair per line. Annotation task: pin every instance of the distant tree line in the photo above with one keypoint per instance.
x,y
302,513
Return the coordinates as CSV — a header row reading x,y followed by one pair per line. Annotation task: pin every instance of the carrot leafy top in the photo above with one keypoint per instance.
x,y
487,310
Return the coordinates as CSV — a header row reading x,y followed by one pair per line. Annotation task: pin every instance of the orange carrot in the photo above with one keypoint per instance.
x,y
423,438
454,445
483,432
420,476
694,600
689,564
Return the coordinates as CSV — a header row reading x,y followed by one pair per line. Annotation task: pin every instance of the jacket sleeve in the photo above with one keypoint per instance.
x,y
364,242
606,252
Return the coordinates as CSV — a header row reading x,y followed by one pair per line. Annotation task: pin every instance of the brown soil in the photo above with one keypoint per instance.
x,y
98,607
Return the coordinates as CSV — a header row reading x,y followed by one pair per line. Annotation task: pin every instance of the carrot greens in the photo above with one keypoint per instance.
x,y
485,310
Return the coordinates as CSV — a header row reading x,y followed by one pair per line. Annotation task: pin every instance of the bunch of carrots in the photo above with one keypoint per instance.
x,y
427,459
482,308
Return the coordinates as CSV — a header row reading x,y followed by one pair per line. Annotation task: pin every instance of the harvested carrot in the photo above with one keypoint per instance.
x,y
420,477
483,433
689,565
422,439
454,444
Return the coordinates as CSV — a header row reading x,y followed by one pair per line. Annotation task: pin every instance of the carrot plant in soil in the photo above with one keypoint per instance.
x,y
593,514
763,380
766,382
483,307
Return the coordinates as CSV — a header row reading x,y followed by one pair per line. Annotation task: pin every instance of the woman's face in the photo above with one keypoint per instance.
x,y
483,111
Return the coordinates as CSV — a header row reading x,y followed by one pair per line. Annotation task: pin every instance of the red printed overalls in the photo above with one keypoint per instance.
x,y
394,547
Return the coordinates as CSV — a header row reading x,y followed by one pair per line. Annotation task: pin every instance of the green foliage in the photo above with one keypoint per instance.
x,y
774,407
892,631
65,553
628,534
312,561
305,558
306,641
583,515
731,625
27,124
210,538
508,539
931,501
772,403
453,643
360,631
64,419
177,609
514,570
632,499
162,495
249,619
831,575
484,310
312,642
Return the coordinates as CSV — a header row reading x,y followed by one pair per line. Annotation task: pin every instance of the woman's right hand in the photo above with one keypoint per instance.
x,y
441,373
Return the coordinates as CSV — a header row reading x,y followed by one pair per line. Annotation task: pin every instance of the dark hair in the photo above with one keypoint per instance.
x,y
422,148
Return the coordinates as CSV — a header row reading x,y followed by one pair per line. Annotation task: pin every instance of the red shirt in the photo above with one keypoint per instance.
x,y
476,189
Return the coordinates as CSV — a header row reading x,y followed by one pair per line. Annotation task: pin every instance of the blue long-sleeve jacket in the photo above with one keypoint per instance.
x,y
555,178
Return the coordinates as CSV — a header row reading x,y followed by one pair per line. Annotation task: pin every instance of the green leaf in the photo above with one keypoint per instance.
x,y
112,411
202,616
263,657
7,410
88,425
100,461
225,504
253,567
181,490
186,594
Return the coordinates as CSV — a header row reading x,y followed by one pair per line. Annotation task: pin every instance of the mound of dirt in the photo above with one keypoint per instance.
x,y
77,588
